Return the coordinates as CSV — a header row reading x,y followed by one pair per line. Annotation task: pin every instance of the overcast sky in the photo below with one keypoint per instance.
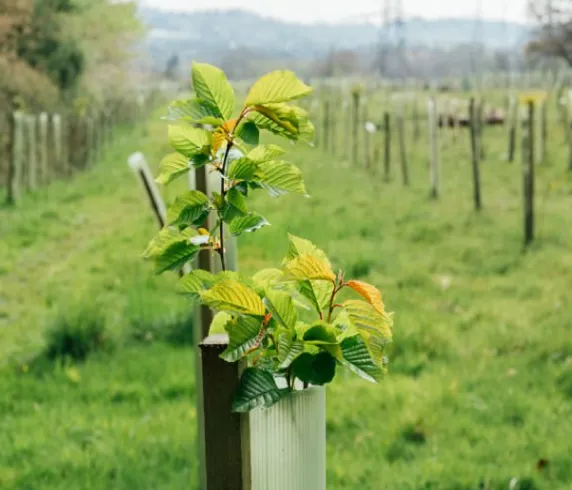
x,y
340,10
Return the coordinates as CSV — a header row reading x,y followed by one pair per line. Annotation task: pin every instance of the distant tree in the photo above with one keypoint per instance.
x,y
172,67
553,37
46,46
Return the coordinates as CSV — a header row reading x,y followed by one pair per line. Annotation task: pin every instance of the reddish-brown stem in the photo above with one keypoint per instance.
x,y
335,291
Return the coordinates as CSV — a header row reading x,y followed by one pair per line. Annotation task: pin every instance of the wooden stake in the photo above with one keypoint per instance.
x,y
475,155
355,128
543,132
528,173
513,116
43,121
32,152
402,150
15,161
387,146
366,139
326,126
434,147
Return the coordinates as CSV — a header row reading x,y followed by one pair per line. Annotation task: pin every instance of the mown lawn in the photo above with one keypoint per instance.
x,y
480,386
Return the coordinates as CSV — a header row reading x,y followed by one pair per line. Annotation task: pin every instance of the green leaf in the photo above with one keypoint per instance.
x,y
195,110
243,334
236,199
284,120
166,237
281,305
212,86
266,278
301,246
374,327
257,389
242,169
277,86
324,336
190,208
315,369
288,349
264,153
220,322
359,360
231,295
188,140
249,133
279,178
309,267
246,224
195,282
175,256
171,167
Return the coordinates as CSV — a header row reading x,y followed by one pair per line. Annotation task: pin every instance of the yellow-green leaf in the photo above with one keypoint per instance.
x,y
280,178
242,169
231,295
188,140
264,153
195,110
171,167
368,292
220,322
211,85
281,305
277,86
309,267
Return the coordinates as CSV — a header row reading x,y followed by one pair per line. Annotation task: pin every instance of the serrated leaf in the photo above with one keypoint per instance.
x,y
188,140
288,349
279,178
231,295
247,224
194,110
249,133
309,267
368,292
190,208
175,256
315,369
171,167
281,305
365,317
257,389
359,360
220,322
212,86
374,327
236,199
194,282
242,169
266,277
166,237
264,153
277,86
284,120
301,246
243,335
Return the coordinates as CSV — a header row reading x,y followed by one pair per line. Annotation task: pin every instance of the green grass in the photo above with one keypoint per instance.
x,y
480,383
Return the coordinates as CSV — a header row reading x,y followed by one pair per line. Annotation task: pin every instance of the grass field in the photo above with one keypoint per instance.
x,y
479,393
